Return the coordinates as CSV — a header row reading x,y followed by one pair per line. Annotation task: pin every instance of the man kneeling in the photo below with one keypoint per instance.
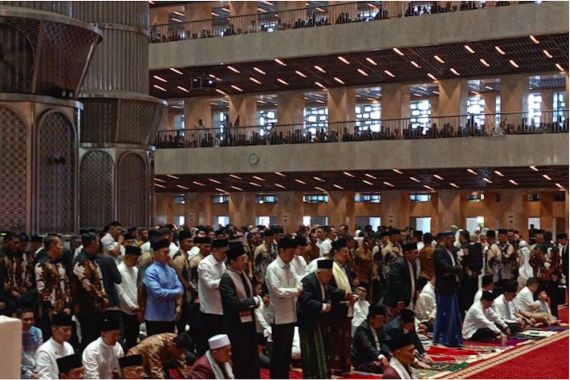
x,y
216,363
70,367
367,353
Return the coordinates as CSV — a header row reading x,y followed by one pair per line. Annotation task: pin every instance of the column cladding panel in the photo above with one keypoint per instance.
x,y
96,189
17,65
133,13
132,190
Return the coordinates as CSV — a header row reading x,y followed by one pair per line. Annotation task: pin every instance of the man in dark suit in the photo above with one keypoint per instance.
x,y
405,324
369,352
447,329
313,305
562,240
401,291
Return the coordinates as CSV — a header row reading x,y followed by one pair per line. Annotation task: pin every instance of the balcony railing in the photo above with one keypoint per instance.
x,y
369,130
311,17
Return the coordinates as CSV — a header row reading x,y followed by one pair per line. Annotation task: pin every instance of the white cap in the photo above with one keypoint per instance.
x,y
218,341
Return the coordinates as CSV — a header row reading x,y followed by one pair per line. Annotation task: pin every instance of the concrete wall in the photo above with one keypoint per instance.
x,y
511,150
501,208
484,24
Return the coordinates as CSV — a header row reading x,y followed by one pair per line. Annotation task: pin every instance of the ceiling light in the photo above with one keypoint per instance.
x,y
320,69
484,62
559,67
320,189
398,51
546,53
214,14
221,190
428,187
534,168
254,80
489,88
301,182
546,176
177,107
513,63
235,176
437,58
234,69
319,101
198,183
367,182
438,177
159,180
267,2
415,64
559,186
319,179
370,176
499,173
436,92
533,38
280,174
362,72
469,49
454,71
236,188
259,70
214,77
278,185
397,171
236,88
320,85
513,182
159,185
338,187
160,88
388,184
343,60
338,80
472,171
348,174
487,180
220,91
214,181
172,176
254,184
282,81
159,78
501,51
300,74
182,187
415,179
454,185
371,61
262,10
177,20
389,73
182,89
432,76
280,62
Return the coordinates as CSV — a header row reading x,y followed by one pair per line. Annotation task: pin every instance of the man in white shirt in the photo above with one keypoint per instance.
x,y
210,271
506,309
56,347
101,357
298,264
127,293
281,283
426,307
482,323
525,299
326,245
112,241
360,309
487,285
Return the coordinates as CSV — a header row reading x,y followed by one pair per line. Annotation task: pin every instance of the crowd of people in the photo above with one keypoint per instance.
x,y
223,303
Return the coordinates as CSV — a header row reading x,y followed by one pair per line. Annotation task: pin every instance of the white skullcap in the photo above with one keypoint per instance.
x,y
218,341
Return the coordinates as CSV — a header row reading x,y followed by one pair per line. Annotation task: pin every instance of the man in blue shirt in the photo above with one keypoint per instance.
x,y
163,291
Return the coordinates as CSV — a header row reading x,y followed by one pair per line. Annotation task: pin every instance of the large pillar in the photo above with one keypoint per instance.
x,y
452,101
244,107
196,109
290,108
490,109
120,119
547,105
449,209
341,103
291,11
514,93
247,10
198,18
395,106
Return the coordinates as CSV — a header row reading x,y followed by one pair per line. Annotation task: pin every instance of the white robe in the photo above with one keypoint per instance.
x,y
47,355
100,360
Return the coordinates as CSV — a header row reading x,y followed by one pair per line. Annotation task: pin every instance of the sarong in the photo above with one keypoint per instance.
x,y
315,354
341,343
447,329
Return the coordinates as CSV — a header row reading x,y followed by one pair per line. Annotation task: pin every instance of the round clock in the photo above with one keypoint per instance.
x,y
253,159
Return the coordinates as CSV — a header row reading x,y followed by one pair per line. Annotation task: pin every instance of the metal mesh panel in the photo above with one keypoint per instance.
x,y
136,119
99,121
61,7
132,190
56,175
96,189
133,13
13,153
16,60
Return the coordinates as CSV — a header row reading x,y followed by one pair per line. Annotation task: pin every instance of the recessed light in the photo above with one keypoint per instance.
x,y
254,184
546,176
236,188
234,69
214,181
182,89
320,69
280,174
559,67
348,174
236,88
282,81
533,38
487,180
172,176
338,187
319,101
397,171
301,182
428,187
176,19
320,189
254,80
362,72
258,178
389,73
159,78
159,185
388,184
338,80
343,60
489,88
160,88
513,182
182,187
472,171
371,61
484,62
300,74
221,190
438,177
546,53
415,64
438,58
469,49
235,176
367,182
559,186
513,63
415,179
454,185
220,92
319,179
436,92
499,173
259,70
176,71
278,185
454,71
534,168
432,76
398,51
370,176
159,180
280,62
320,85
198,183
499,50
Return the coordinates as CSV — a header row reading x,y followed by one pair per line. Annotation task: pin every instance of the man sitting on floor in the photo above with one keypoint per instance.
x,y
426,307
506,309
402,346
405,324
367,343
527,306
486,286
481,321
70,367
216,362
132,367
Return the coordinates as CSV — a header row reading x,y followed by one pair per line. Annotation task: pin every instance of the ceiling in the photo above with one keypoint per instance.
x,y
376,67
413,180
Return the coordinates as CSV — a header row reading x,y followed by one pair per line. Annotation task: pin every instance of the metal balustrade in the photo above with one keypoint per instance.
x,y
396,129
311,17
